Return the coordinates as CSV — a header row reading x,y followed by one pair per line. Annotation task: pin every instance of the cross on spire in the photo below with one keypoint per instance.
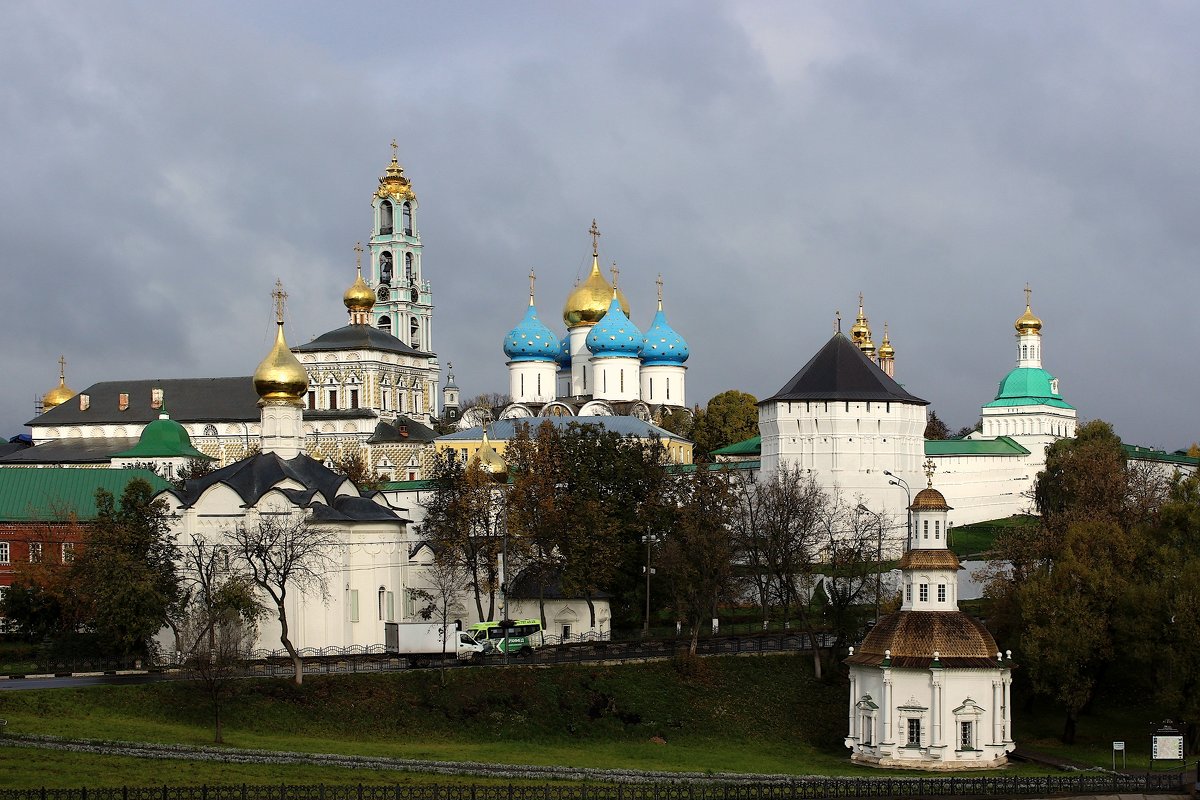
x,y
659,283
395,147
614,272
1028,292
837,321
930,468
358,251
595,232
62,367
280,296
532,278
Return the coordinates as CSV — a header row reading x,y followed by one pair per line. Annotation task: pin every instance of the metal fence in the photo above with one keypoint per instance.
x,y
1015,786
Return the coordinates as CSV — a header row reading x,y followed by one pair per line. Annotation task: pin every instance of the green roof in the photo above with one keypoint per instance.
x,y
59,493
407,486
1150,454
750,447
1000,446
714,466
1028,386
163,438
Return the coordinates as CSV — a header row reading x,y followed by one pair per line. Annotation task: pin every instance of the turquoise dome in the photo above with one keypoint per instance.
x,y
662,344
1028,386
615,335
564,353
531,340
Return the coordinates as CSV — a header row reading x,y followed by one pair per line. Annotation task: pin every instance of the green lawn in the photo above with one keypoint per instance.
x,y
736,714
973,541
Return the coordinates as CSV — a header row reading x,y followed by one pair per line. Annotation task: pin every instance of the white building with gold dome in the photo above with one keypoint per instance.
x,y
371,391
929,688
604,366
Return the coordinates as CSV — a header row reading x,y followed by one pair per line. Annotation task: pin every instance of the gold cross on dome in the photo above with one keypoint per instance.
x,y
930,468
1028,292
595,232
659,283
395,147
358,251
62,367
532,278
280,296
615,272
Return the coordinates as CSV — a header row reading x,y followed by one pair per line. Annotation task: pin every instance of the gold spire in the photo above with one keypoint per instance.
x,y
280,379
393,183
59,394
1027,322
358,298
589,301
885,348
860,331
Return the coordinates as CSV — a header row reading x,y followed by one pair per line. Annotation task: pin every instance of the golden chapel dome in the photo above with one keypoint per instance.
x,y
860,331
589,301
280,378
885,347
61,393
1027,322
490,460
359,296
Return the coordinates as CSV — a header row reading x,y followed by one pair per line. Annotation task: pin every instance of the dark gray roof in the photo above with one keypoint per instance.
x,y
525,586
358,337
840,371
187,400
253,477
8,448
402,430
338,413
92,450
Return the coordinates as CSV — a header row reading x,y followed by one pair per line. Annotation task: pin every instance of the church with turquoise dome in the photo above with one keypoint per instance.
x,y
604,366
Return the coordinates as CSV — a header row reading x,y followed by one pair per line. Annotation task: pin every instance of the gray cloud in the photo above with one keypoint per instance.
x,y
163,166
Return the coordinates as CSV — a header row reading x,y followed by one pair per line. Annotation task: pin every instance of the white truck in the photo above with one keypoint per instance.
x,y
422,642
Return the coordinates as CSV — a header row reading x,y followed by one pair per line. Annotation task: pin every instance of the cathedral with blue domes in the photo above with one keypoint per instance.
x,y
604,366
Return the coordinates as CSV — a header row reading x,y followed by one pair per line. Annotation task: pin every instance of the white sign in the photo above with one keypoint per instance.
x,y
1118,745
1167,748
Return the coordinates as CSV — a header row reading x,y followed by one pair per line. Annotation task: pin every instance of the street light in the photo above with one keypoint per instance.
x,y
878,556
650,540
896,480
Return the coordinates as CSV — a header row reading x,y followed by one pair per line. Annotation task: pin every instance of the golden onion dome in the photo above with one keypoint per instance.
x,y
1028,323
885,348
929,499
589,301
868,346
490,460
359,296
280,378
393,183
860,331
61,393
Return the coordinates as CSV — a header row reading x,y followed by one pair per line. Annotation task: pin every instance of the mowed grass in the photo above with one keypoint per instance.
x,y
729,714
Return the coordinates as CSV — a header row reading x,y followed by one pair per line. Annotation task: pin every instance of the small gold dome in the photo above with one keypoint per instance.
x,y
1028,323
57,396
885,348
280,378
589,301
490,460
929,499
860,331
359,296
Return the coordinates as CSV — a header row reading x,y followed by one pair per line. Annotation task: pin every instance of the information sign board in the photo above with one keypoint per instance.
x,y
1166,748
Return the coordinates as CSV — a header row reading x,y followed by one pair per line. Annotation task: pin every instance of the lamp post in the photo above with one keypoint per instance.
x,y
878,555
650,540
896,480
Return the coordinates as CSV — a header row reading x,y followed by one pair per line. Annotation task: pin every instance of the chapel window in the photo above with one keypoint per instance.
x,y
924,593
966,735
941,592
908,592
937,529
925,529
914,733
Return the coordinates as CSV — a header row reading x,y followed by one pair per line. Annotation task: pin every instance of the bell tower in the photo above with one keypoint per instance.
x,y
403,299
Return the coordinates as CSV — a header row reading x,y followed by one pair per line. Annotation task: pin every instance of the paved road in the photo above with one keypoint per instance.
x,y
19,684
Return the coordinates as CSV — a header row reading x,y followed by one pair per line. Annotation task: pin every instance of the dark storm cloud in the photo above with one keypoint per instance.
x,y
162,167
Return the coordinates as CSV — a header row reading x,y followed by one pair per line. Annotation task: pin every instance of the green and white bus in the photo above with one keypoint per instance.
x,y
524,636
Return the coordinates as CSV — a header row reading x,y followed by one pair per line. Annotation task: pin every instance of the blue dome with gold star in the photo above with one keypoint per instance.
x,y
531,340
663,344
615,335
564,352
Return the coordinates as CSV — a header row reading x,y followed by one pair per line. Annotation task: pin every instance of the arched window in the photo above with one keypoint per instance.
x,y
385,267
408,219
385,324
210,430
414,333
1024,351
408,268
382,596
385,216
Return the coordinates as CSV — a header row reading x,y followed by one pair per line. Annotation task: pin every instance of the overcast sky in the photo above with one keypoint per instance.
x,y
163,163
